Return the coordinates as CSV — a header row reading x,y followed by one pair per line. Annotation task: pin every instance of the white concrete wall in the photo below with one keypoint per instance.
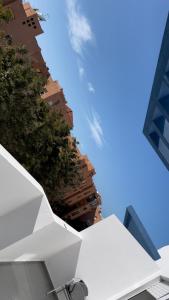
x,y
24,281
62,266
17,186
41,244
19,223
28,228
112,261
163,262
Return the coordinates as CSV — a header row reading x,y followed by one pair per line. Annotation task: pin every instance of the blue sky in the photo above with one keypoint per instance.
x,y
104,54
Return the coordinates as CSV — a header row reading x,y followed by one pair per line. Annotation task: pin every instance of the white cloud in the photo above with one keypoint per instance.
x,y
79,28
81,72
91,88
96,129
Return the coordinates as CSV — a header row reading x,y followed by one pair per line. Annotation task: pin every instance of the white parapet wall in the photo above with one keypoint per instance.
x,y
112,262
163,262
28,228
17,186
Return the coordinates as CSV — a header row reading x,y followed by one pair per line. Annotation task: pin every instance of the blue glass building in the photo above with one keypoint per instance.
x,y
134,225
156,127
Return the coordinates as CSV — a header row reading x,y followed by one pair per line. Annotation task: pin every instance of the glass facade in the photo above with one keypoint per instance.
x,y
156,127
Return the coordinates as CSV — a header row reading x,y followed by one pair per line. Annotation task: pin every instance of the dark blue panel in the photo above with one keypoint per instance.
x,y
155,138
160,122
165,104
137,229
159,98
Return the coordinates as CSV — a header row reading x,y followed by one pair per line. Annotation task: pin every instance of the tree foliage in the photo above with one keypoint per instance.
x,y
5,14
34,134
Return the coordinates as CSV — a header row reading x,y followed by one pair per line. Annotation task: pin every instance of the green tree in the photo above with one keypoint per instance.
x,y
34,134
5,14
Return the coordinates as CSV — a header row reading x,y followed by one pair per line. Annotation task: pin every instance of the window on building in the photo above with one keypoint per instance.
x,y
166,130
159,122
30,22
165,103
164,150
155,138
91,198
163,126
160,145
143,296
164,90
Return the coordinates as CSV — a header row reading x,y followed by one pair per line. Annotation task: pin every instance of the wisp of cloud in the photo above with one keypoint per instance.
x,y
96,129
91,88
79,28
81,72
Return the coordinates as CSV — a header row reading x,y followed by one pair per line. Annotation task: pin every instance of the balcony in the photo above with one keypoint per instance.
x,y
91,204
81,194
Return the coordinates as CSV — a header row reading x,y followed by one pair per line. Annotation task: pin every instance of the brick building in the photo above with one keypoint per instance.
x,y
83,201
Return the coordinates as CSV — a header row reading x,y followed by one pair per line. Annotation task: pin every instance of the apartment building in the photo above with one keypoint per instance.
x,y
83,201
54,96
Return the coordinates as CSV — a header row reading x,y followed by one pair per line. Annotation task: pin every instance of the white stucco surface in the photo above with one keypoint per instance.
x,y
163,263
17,186
112,261
62,265
106,256
40,245
28,228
